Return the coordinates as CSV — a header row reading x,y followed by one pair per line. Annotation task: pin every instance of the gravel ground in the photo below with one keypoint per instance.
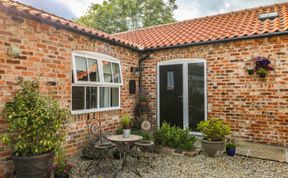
x,y
166,166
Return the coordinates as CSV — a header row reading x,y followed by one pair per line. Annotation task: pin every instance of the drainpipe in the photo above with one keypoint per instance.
x,y
144,57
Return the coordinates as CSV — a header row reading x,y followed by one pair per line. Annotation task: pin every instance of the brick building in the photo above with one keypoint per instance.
x,y
191,71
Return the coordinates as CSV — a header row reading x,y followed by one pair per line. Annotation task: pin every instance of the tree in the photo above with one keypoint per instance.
x,y
114,16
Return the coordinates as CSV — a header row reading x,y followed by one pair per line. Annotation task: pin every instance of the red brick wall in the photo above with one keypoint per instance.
x,y
256,109
46,55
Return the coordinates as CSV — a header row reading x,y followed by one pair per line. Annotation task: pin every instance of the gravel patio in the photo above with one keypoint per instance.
x,y
167,166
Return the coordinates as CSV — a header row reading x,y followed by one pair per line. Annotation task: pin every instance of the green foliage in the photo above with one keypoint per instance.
x,y
35,122
61,162
144,134
174,137
121,15
214,129
126,121
262,72
231,145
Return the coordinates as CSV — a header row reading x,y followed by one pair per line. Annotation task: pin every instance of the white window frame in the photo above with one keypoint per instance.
x,y
99,58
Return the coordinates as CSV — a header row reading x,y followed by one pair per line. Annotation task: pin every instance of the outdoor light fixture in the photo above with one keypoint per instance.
x,y
135,70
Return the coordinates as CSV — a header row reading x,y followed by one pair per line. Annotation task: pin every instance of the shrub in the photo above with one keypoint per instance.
x,y
174,137
214,129
35,122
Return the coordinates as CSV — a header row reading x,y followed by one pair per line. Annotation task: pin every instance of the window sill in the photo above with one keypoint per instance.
x,y
94,110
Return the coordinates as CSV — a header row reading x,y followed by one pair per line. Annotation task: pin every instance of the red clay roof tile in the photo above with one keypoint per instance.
x,y
218,27
212,28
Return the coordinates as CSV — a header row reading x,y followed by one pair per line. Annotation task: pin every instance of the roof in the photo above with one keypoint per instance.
x,y
37,14
233,25
216,28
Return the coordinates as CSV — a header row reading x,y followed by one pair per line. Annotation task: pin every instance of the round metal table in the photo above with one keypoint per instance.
x,y
124,145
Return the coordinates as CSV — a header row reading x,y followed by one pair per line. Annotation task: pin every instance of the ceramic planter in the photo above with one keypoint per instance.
x,y
212,148
33,166
126,133
231,151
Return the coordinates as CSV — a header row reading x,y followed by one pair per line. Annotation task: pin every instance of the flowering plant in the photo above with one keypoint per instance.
x,y
61,164
262,66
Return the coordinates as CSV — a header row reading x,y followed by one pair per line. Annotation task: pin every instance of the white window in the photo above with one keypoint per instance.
x,y
96,81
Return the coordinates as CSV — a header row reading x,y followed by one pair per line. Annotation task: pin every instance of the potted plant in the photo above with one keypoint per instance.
x,y
262,66
231,145
250,71
126,122
61,168
35,128
214,132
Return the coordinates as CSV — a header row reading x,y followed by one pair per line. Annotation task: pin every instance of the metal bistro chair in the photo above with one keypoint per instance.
x,y
102,146
141,150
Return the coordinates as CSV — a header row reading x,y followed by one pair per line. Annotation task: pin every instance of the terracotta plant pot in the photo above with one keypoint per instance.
x,y
33,166
212,148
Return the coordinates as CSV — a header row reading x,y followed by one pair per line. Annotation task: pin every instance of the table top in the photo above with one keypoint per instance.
x,y
120,138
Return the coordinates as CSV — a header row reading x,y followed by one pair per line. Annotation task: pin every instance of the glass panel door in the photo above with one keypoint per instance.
x,y
196,94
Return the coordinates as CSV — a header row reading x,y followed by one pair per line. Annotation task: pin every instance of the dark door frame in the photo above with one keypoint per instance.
x,y
185,63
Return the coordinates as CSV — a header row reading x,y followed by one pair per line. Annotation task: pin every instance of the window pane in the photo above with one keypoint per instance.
x,y
93,70
81,68
77,98
114,97
107,71
91,97
116,73
196,94
104,97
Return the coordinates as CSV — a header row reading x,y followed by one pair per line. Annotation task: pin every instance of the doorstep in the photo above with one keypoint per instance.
x,y
263,151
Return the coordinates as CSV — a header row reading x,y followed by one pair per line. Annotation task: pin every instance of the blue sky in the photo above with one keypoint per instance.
x,y
187,9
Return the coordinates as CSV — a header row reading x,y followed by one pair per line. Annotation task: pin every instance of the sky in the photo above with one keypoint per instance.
x,y
187,9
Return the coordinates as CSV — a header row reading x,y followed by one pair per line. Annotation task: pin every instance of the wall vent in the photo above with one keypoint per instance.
x,y
270,16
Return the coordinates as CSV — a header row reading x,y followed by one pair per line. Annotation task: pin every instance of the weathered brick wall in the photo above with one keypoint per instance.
x,y
46,55
256,109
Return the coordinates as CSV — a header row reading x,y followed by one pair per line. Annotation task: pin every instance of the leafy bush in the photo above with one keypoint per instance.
x,y
214,129
126,121
174,137
35,122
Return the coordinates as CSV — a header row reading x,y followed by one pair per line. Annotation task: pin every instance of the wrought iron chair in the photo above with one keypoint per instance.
x,y
101,145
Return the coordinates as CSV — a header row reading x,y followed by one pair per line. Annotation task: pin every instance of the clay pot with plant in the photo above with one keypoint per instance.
x,y
126,122
35,129
214,131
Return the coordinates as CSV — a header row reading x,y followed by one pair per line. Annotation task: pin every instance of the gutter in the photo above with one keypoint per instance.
x,y
140,62
217,41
